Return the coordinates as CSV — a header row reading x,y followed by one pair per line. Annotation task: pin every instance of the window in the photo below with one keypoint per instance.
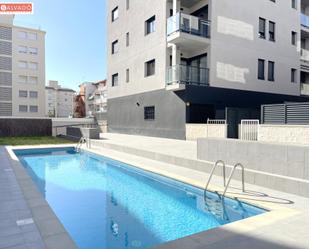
x,y
262,27
115,14
34,108
33,80
33,94
128,4
115,47
23,94
293,75
33,65
22,35
115,79
127,39
271,71
127,75
32,36
150,68
22,49
261,69
33,51
149,113
272,28
23,108
22,64
22,79
294,4
150,25
294,38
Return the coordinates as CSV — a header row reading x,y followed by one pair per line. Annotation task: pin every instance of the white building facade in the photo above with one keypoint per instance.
x,y
59,100
22,70
181,61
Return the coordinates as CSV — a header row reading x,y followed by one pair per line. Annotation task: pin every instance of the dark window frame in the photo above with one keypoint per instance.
x,y
272,33
115,76
150,25
262,28
114,48
293,75
113,14
149,113
261,69
150,71
271,71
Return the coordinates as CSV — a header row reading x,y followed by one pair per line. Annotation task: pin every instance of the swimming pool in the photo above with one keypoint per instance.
x,y
108,204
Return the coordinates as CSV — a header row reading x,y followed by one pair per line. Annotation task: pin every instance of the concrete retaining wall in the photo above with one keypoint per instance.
x,y
14,127
298,134
60,124
195,131
279,166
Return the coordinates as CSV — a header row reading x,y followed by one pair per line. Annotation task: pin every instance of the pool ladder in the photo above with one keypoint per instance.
x,y
226,185
81,141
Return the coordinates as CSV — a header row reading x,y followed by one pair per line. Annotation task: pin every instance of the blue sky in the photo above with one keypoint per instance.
x,y
75,38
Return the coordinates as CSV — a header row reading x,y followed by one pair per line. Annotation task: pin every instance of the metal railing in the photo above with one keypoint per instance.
x,y
304,55
216,121
188,75
249,130
304,20
231,175
188,24
211,174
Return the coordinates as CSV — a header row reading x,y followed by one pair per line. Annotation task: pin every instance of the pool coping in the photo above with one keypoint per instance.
x,y
52,232
276,211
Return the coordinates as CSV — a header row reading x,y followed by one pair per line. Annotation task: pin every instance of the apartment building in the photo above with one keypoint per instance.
x,y
173,62
22,70
59,100
100,97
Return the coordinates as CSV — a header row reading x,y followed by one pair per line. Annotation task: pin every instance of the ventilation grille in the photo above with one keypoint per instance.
x,y
6,63
5,33
5,48
5,109
5,79
5,94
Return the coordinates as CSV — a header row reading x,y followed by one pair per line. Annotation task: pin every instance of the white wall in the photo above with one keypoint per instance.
x,y
142,48
297,134
195,131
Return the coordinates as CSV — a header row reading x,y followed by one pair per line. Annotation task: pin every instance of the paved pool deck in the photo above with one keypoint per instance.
x,y
26,220
286,226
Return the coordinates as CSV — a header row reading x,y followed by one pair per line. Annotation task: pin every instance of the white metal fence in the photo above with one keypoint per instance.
x,y
249,129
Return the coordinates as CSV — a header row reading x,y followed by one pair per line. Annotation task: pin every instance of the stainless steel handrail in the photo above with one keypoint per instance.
x,y
231,175
81,141
211,174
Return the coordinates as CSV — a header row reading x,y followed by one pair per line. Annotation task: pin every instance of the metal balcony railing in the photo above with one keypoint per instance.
x,y
188,75
188,24
304,20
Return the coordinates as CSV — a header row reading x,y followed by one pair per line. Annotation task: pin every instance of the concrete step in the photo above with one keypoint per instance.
x,y
283,183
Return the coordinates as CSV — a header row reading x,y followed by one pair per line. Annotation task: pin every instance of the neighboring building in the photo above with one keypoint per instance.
x,y
59,100
100,97
181,61
22,70
92,99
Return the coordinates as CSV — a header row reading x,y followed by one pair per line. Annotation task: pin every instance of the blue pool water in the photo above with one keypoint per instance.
x,y
106,204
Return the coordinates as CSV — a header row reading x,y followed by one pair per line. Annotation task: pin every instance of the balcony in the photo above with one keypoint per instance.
x,y
304,55
304,20
183,29
304,89
181,75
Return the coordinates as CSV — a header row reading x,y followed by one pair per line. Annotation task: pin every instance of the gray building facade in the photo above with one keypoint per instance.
x,y
173,62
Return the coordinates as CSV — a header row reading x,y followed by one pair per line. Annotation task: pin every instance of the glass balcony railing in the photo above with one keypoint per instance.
x,y
188,24
188,75
304,55
304,20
